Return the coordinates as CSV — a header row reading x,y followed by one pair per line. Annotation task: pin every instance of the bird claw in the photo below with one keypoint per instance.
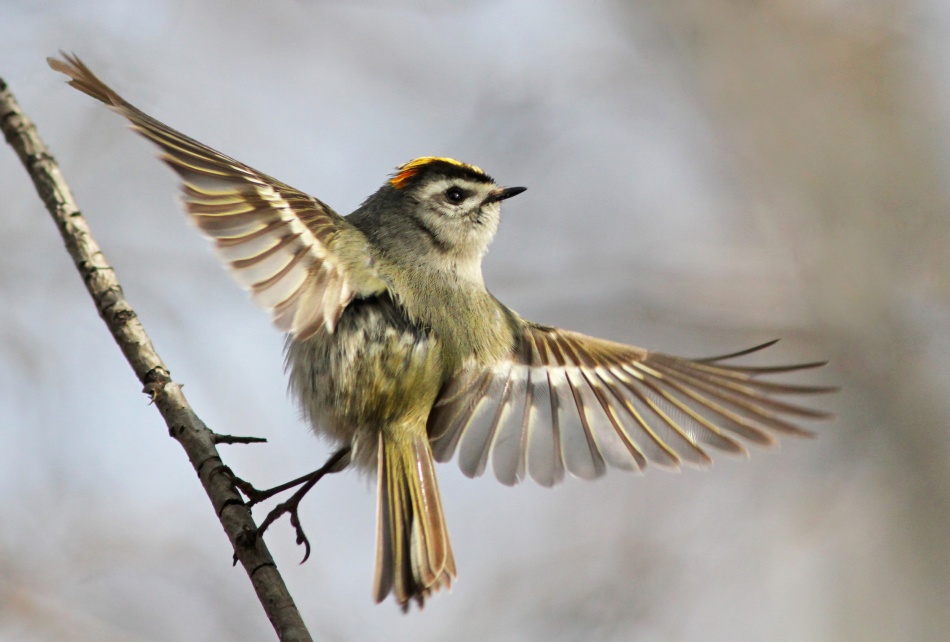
x,y
292,505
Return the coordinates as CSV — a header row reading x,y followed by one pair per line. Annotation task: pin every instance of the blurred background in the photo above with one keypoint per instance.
x,y
703,176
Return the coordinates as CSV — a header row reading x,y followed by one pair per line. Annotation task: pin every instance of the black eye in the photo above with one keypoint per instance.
x,y
454,195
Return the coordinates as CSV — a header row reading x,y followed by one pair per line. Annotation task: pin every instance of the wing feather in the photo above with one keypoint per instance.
x,y
564,401
544,462
481,424
300,260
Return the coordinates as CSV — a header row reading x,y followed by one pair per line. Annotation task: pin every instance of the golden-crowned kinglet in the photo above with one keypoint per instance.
x,y
398,353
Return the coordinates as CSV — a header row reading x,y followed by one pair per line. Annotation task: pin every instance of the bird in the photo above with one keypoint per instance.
x,y
397,352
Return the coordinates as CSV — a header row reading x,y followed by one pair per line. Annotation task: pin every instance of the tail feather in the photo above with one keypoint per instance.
x,y
413,554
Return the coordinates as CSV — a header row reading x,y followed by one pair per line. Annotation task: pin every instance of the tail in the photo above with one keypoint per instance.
x,y
413,553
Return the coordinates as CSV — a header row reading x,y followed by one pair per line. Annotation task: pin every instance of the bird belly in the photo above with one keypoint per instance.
x,y
377,372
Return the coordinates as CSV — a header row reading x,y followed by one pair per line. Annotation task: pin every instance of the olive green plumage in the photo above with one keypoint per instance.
x,y
398,353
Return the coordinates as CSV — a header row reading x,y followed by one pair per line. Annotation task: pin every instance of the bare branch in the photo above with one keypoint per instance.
x,y
183,424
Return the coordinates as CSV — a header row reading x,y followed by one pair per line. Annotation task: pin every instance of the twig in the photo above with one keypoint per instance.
x,y
233,439
183,424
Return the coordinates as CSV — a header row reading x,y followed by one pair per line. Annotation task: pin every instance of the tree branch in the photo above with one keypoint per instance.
x,y
183,424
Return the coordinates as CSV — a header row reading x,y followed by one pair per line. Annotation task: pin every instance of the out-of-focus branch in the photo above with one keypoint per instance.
x,y
183,424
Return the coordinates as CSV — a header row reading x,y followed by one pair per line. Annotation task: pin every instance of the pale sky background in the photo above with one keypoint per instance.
x,y
702,177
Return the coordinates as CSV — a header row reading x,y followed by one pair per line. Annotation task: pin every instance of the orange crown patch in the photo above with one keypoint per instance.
x,y
410,169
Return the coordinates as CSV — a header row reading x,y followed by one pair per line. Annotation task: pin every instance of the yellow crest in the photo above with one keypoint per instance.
x,y
410,169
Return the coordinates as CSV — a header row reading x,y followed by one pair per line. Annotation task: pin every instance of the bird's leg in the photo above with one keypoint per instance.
x,y
337,462
255,496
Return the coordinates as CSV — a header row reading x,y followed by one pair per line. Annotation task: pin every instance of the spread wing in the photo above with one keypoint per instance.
x,y
566,401
300,260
